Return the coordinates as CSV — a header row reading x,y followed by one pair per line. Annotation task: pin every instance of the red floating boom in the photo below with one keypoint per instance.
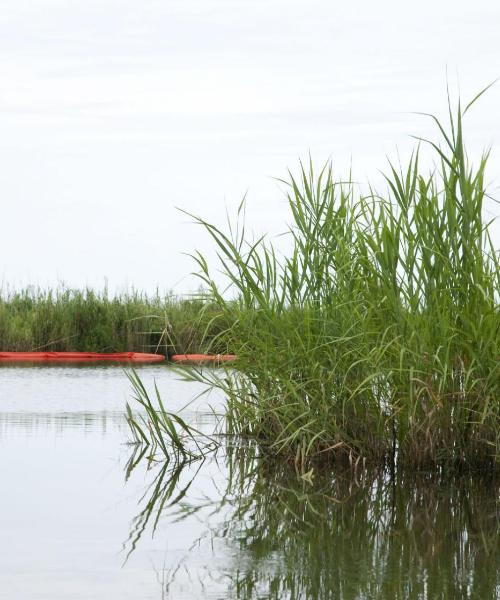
x,y
196,359
80,357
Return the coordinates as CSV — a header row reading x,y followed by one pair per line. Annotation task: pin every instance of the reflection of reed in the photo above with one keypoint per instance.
x,y
411,537
162,494
404,537
30,423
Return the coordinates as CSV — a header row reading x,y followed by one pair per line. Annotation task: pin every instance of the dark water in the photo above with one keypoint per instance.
x,y
77,523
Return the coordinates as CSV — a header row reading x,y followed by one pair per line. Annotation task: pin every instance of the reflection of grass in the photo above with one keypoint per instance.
x,y
273,535
161,495
408,537
379,333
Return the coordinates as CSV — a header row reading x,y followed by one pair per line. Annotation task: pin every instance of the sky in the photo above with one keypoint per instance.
x,y
115,115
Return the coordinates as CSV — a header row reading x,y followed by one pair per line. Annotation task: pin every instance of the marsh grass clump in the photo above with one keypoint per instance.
x,y
378,336
159,431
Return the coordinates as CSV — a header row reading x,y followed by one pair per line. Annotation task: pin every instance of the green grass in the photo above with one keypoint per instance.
x,y
378,336
88,321
158,429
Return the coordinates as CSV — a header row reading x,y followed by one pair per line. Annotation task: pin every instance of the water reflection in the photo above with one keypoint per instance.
x,y
271,534
42,423
166,491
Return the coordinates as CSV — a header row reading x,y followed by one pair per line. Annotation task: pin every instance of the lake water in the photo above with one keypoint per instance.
x,y
78,523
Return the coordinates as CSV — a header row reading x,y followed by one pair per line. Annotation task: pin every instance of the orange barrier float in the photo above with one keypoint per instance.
x,y
198,359
80,357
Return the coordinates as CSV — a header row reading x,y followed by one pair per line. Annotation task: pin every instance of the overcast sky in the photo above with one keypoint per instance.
x,y
114,113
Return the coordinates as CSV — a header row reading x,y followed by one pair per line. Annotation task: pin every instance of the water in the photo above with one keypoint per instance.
x,y
78,523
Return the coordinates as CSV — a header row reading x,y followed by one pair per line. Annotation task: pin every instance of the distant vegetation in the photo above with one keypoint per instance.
x,y
89,321
378,335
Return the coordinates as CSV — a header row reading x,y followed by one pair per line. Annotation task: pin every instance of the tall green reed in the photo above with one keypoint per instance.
x,y
157,430
378,335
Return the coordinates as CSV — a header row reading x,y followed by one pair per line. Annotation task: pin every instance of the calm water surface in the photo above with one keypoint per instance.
x,y
78,523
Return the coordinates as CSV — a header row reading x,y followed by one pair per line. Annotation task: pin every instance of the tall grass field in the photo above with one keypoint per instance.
x,y
377,337
88,321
